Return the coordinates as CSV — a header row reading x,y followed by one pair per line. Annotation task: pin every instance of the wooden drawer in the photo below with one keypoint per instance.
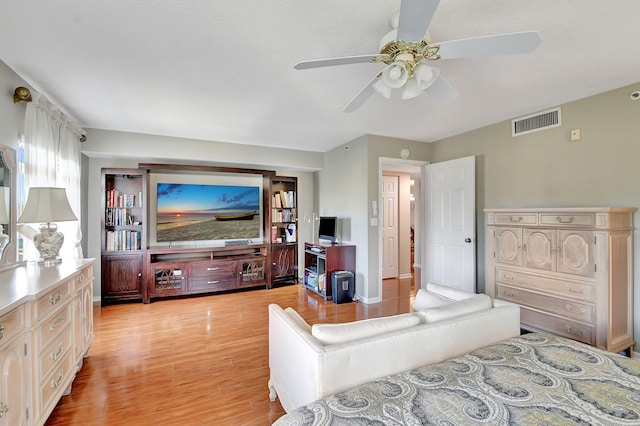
x,y
567,308
219,282
213,268
54,326
53,298
85,276
54,384
516,219
563,219
11,324
579,291
53,353
555,325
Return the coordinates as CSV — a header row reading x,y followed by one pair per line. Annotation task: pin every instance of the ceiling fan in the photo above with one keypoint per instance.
x,y
406,50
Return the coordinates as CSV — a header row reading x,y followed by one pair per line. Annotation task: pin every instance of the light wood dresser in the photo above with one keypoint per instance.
x,y
46,328
570,270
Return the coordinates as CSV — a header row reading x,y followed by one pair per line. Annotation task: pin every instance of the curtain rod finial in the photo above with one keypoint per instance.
x,y
21,94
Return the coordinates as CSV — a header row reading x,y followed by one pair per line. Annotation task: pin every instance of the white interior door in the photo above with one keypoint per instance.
x,y
450,246
389,226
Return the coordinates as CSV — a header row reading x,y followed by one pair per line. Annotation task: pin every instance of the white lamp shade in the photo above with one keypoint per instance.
x,y
395,75
425,75
4,205
46,205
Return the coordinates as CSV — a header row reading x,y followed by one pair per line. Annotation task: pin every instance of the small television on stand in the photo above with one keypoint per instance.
x,y
327,229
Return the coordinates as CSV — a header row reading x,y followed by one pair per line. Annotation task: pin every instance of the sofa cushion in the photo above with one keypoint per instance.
x,y
427,299
332,334
461,307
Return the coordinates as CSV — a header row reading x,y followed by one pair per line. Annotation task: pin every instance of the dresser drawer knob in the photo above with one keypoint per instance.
x,y
56,383
572,309
55,299
570,330
213,282
516,219
567,220
1,331
212,269
572,290
59,321
3,409
55,355
508,293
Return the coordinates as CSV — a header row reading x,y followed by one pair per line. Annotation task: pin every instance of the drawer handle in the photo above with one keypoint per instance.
x,y
56,383
508,293
569,220
55,355
3,409
574,310
570,330
213,282
509,277
1,331
53,300
516,220
59,321
213,269
571,290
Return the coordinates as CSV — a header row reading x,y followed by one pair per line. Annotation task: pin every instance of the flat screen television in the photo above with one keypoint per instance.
x,y
327,229
207,212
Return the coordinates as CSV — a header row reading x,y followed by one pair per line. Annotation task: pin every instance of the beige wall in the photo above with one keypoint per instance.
x,y
546,169
11,114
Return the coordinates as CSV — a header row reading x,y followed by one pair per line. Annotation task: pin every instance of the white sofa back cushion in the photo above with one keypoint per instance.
x,y
333,334
460,307
427,299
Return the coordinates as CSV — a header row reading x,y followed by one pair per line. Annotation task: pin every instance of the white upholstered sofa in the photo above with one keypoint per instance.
x,y
308,363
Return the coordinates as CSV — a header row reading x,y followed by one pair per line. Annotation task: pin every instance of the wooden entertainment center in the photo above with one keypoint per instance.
x,y
133,269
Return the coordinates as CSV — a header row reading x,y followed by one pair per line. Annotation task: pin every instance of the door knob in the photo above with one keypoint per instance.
x,y
467,240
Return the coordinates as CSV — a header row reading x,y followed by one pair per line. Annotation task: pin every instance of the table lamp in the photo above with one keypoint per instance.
x,y
4,217
45,206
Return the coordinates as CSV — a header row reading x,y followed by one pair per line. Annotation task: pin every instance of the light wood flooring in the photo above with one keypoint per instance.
x,y
196,361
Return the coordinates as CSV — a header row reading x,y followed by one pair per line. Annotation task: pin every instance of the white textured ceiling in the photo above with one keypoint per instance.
x,y
223,70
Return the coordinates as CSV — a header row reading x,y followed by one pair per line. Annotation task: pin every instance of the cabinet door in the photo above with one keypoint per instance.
x,y
539,249
576,252
252,272
283,265
122,276
509,246
13,383
168,279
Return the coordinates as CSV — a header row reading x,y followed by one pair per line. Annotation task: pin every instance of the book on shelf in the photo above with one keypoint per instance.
x,y
123,240
284,199
117,199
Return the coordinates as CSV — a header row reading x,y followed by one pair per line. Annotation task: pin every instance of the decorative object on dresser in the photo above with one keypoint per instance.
x,y
570,269
284,230
46,205
321,260
46,323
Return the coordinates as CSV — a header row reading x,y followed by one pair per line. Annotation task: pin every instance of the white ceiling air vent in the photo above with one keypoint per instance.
x,y
535,122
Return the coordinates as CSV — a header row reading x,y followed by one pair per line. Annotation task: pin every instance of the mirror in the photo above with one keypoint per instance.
x,y
8,211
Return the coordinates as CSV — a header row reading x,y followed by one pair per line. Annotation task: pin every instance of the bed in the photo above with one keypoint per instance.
x,y
533,379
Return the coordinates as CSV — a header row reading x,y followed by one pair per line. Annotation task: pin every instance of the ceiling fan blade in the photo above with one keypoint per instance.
x,y
415,17
442,91
362,95
329,62
500,44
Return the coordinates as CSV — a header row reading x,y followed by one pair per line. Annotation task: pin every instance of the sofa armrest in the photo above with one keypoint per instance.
x,y
294,360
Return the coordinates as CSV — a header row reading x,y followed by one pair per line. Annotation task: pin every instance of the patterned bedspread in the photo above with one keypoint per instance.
x,y
534,379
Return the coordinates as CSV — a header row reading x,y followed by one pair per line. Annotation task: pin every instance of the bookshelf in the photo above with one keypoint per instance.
x,y
284,230
123,234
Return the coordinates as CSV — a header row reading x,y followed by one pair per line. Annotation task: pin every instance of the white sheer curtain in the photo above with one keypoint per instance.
x,y
52,158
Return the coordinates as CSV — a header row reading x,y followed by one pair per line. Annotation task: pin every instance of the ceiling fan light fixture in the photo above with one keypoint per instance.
x,y
411,90
425,75
395,75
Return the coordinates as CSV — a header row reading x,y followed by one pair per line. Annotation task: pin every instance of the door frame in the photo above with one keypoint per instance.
x,y
388,164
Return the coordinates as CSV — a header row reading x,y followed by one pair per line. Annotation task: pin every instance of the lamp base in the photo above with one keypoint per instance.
x,y
4,240
48,242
